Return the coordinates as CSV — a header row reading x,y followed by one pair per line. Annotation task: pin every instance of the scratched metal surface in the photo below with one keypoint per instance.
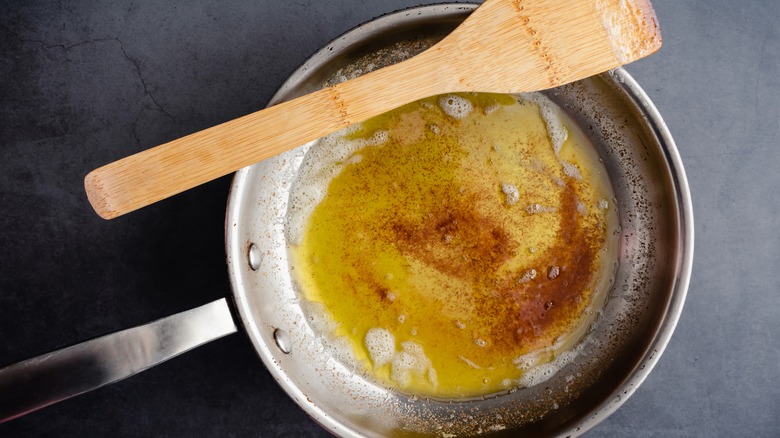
x,y
86,83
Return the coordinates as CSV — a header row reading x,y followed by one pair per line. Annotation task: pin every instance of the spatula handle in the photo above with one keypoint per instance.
x,y
155,174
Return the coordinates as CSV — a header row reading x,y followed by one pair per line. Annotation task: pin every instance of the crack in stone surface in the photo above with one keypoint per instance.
x,y
46,46
66,48
143,81
135,126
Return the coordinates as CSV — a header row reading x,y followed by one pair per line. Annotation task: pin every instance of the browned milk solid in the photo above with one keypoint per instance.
x,y
460,244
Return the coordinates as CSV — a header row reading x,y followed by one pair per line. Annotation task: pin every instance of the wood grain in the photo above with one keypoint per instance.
x,y
505,46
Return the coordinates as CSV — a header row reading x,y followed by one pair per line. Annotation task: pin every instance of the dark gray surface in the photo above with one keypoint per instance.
x,y
87,83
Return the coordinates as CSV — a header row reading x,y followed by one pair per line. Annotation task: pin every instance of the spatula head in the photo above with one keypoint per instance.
x,y
511,46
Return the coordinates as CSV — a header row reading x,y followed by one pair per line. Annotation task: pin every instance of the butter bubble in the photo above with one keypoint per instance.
x,y
455,106
381,346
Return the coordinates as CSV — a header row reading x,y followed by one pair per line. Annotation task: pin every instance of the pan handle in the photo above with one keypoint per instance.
x,y
47,379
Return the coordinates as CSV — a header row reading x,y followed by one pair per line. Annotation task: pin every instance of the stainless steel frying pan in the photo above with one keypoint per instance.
x,y
623,345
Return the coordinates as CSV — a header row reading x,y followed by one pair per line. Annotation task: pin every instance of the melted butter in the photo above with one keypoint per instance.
x,y
455,246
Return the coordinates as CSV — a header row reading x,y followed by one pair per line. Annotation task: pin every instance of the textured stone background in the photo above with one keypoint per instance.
x,y
84,83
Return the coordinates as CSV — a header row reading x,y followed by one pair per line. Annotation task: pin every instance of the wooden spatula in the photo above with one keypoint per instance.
x,y
505,46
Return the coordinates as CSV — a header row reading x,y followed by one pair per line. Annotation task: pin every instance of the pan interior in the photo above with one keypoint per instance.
x,y
624,342
458,246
